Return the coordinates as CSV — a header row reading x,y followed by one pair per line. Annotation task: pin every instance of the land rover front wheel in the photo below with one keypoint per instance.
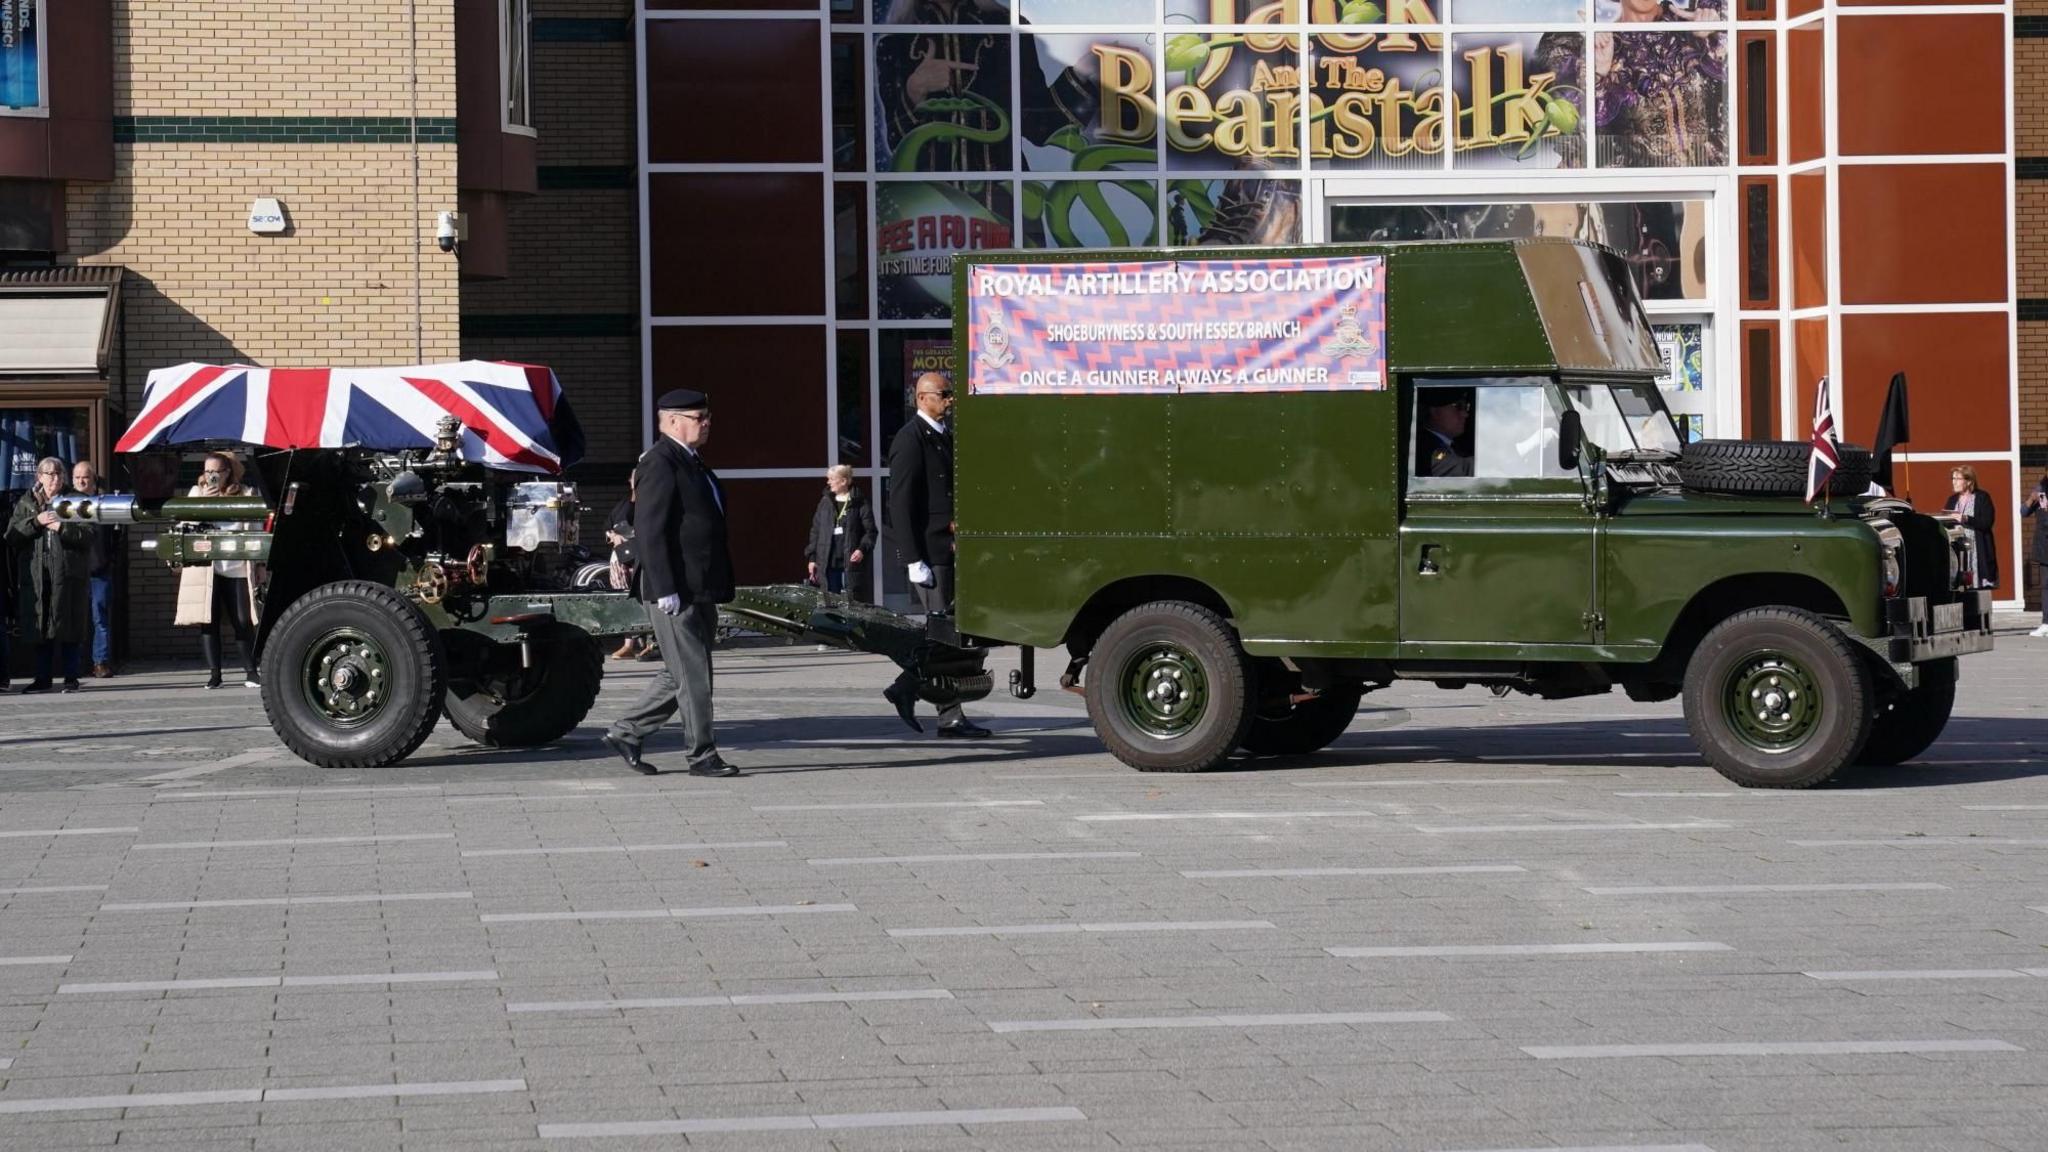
x,y
1777,698
1168,688
1911,721
353,676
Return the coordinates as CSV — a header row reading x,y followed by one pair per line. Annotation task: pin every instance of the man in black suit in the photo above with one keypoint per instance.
x,y
920,529
685,574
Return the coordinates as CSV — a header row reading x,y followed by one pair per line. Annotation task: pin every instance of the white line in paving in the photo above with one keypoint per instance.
x,y
373,898
1610,1147
1277,1020
1917,841
1061,929
906,804
1931,974
299,793
1439,870
1701,795
1408,783
11,961
1710,889
53,888
256,1096
29,832
197,984
626,848
1586,949
235,761
964,857
666,913
2005,807
953,1116
294,842
1074,776
1792,1048
668,794
1630,827
1126,817
729,1001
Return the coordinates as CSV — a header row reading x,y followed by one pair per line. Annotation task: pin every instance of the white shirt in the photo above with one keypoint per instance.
x,y
936,426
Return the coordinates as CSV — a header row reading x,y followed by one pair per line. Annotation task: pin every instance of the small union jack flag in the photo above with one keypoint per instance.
x,y
513,416
1827,456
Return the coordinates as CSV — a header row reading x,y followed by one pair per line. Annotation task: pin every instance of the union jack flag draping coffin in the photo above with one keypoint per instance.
x,y
513,416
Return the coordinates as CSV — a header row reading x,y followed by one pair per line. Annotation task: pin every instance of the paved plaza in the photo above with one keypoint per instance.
x,y
1475,923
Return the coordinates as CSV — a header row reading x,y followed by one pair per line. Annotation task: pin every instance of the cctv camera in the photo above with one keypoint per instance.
x,y
447,231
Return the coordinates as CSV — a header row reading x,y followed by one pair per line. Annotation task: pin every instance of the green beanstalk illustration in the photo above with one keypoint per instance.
x,y
923,136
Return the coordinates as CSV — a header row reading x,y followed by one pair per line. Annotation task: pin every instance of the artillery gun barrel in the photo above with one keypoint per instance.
x,y
120,509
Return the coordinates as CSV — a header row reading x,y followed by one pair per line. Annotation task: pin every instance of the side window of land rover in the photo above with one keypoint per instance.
x,y
1492,428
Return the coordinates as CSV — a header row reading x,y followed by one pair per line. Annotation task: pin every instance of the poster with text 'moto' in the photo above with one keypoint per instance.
x,y
1178,326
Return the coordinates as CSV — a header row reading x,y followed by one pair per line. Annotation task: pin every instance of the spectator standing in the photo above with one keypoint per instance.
x,y
107,542
842,537
217,593
1980,516
52,596
2037,508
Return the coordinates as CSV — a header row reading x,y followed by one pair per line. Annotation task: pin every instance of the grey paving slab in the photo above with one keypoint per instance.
x,y
1785,955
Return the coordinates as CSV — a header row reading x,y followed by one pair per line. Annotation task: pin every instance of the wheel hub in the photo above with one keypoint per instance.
x,y
345,676
1165,692
1773,702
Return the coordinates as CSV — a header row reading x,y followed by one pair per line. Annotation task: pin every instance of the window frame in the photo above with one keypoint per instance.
x,y
1428,488
524,32
41,109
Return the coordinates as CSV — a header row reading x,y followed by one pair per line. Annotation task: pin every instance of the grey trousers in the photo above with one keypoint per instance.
x,y
684,682
939,598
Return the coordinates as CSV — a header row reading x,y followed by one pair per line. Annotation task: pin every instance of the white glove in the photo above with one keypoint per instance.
x,y
671,604
921,574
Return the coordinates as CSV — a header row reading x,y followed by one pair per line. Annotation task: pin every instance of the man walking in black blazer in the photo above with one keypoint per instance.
x,y
920,529
685,574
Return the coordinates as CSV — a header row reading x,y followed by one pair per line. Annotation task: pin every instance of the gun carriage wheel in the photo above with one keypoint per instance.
x,y
353,676
497,700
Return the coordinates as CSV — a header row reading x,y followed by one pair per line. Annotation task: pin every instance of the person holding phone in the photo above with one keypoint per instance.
x,y
2037,510
1978,514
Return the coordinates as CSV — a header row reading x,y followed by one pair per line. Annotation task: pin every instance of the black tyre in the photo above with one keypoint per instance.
x,y
1766,468
1169,688
1908,723
498,704
1309,726
1777,698
353,676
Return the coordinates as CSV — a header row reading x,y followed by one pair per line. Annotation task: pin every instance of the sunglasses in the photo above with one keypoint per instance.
x,y
946,395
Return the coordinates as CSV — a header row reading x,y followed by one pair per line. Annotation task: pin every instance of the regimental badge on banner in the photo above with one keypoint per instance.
x,y
1309,324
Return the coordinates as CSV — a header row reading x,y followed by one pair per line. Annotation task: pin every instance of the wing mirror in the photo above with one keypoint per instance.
x,y
1571,438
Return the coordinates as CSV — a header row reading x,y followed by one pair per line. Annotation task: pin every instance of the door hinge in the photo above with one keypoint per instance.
x,y
1595,623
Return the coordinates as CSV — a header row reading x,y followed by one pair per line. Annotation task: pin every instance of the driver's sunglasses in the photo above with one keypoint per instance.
x,y
945,395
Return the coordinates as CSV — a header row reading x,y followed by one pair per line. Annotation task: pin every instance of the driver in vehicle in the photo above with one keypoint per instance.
x,y
1442,444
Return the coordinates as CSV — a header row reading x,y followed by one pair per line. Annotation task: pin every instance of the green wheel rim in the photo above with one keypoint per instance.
x,y
1773,702
346,677
1165,692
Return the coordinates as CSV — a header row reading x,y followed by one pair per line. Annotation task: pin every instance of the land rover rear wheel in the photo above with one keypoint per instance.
x,y
1309,726
1777,698
1911,721
353,676
1168,688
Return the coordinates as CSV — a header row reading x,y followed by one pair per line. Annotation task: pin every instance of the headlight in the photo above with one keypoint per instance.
x,y
1891,549
1962,551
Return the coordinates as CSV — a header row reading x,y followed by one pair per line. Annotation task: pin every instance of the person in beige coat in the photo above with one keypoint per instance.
x,y
223,590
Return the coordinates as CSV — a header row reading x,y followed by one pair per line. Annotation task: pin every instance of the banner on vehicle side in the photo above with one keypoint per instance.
x,y
1150,327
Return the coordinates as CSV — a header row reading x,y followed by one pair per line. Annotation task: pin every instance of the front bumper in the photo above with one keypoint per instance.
x,y
1920,632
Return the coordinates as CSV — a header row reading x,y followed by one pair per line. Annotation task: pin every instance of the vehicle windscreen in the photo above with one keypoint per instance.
x,y
1624,417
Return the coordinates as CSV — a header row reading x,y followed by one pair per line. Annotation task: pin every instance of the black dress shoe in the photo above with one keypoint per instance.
x,y
964,730
630,753
905,700
36,686
713,767
71,685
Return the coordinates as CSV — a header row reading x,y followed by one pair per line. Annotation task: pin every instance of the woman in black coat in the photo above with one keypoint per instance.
x,y
842,538
2037,507
1977,512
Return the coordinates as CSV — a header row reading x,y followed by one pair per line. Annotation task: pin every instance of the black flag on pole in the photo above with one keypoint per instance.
x,y
1892,431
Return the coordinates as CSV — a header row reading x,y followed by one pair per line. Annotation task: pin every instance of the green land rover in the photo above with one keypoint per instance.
x,y
1244,488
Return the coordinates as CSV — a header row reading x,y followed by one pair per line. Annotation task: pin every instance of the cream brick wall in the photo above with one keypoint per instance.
x,y
294,58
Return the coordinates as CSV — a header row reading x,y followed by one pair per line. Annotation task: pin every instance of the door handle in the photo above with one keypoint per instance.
x,y
1431,554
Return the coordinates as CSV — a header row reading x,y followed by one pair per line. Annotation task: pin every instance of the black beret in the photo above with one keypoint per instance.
x,y
682,400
